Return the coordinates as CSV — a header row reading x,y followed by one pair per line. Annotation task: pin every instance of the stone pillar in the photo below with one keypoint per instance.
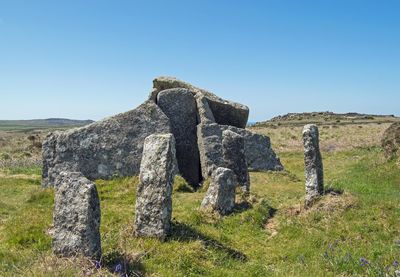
x,y
76,217
235,158
209,139
313,165
153,200
220,196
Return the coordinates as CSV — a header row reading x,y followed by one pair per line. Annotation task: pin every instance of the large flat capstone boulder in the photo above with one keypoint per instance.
x,y
153,208
212,109
111,147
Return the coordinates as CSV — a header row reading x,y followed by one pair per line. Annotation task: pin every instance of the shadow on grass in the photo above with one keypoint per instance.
x,y
184,233
122,264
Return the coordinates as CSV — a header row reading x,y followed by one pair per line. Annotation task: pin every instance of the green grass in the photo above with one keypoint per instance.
x,y
326,241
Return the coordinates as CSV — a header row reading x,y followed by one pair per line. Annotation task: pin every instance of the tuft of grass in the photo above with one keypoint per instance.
x,y
180,185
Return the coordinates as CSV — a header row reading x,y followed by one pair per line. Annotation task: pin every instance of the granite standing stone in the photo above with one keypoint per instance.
x,y
235,158
76,217
153,201
180,107
313,165
259,154
220,196
209,138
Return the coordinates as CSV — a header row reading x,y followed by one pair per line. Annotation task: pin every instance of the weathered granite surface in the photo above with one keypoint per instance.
x,y
235,158
259,154
220,196
313,165
76,217
212,109
111,147
209,137
180,106
153,208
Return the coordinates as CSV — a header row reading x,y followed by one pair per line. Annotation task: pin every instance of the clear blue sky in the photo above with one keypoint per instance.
x,y
93,58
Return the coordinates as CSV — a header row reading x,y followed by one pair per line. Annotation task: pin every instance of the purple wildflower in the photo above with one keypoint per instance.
x,y
364,262
97,264
118,268
396,264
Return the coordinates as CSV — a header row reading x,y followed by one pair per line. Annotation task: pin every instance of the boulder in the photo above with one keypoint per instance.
x,y
235,157
180,107
111,147
76,217
259,154
313,165
220,196
212,109
153,200
391,141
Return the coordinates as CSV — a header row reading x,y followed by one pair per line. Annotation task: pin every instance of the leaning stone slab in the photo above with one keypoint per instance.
x,y
235,157
153,201
220,196
107,148
259,154
313,165
180,107
76,217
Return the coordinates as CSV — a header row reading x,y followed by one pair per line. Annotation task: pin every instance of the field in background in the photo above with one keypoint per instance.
x,y
354,230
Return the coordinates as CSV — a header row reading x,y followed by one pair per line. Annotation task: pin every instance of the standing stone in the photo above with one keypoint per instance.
x,y
180,107
235,157
76,217
153,201
259,154
220,196
209,138
313,165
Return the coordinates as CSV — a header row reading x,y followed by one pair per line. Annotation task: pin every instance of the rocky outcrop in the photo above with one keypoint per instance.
x,y
220,196
153,200
111,147
235,158
313,165
76,217
180,107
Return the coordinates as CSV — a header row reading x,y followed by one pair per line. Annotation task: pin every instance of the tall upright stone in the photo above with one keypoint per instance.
x,y
235,157
313,165
179,105
209,138
76,217
153,201
220,196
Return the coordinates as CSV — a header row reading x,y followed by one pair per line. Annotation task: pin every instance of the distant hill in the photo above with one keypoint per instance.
x,y
328,118
48,123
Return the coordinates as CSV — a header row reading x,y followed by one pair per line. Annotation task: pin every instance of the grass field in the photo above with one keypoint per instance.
x,y
353,231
